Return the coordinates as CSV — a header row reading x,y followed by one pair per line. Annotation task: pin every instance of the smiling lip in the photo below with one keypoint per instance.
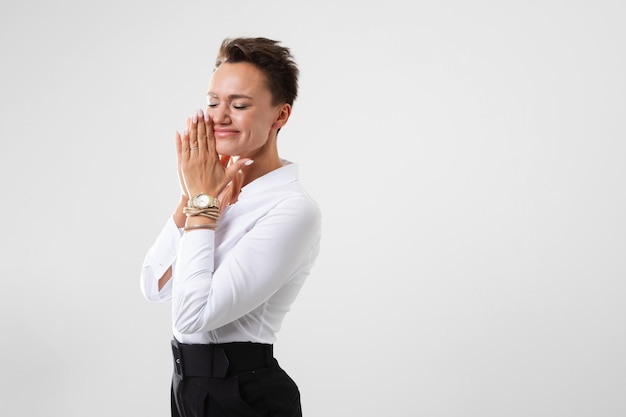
x,y
224,133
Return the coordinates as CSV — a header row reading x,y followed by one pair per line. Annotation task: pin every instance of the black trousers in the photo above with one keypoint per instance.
x,y
231,380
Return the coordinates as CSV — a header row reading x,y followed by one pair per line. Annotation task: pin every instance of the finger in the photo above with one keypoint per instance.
x,y
179,159
193,132
184,144
179,147
240,164
202,132
210,134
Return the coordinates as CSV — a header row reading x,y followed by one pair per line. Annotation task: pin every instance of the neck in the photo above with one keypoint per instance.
x,y
266,159
258,169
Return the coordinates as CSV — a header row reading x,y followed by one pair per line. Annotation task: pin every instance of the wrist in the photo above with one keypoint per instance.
x,y
199,223
202,212
202,201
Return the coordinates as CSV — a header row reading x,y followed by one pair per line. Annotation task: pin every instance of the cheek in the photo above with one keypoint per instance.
x,y
258,128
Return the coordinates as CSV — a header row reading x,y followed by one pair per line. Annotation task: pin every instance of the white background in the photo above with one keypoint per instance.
x,y
468,158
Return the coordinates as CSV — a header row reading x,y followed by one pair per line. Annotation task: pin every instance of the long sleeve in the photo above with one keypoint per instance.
x,y
236,283
160,256
279,247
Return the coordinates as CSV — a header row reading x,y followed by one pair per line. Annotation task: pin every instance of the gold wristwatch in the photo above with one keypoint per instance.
x,y
203,201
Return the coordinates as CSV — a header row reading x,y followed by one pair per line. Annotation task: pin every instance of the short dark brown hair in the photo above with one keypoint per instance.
x,y
275,61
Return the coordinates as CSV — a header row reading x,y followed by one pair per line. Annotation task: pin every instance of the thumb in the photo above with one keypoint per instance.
x,y
236,166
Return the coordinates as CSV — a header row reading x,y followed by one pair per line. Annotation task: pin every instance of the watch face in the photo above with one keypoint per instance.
x,y
201,201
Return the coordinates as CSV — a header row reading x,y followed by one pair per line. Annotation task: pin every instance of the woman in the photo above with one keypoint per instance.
x,y
241,242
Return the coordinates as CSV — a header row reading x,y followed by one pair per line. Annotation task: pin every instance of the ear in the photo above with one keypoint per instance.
x,y
283,115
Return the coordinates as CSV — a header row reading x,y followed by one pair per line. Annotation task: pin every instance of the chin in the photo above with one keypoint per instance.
x,y
225,150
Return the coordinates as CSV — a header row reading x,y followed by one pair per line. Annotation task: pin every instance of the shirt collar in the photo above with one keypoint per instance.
x,y
286,174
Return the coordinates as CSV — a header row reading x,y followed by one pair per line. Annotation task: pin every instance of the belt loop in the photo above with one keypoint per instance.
x,y
220,363
178,360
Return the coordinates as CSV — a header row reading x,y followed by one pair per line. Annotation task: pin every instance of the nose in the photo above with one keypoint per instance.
x,y
219,114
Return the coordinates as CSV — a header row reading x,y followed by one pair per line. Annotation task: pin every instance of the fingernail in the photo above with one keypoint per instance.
x,y
248,162
200,112
206,117
195,118
186,131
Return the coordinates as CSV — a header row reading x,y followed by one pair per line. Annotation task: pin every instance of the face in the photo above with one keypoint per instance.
x,y
240,106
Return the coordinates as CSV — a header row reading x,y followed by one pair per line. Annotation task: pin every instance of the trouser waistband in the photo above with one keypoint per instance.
x,y
218,360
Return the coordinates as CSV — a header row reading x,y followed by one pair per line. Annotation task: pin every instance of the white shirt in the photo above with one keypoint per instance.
x,y
236,283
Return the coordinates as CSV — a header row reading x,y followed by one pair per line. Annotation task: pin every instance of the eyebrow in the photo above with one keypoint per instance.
x,y
230,97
